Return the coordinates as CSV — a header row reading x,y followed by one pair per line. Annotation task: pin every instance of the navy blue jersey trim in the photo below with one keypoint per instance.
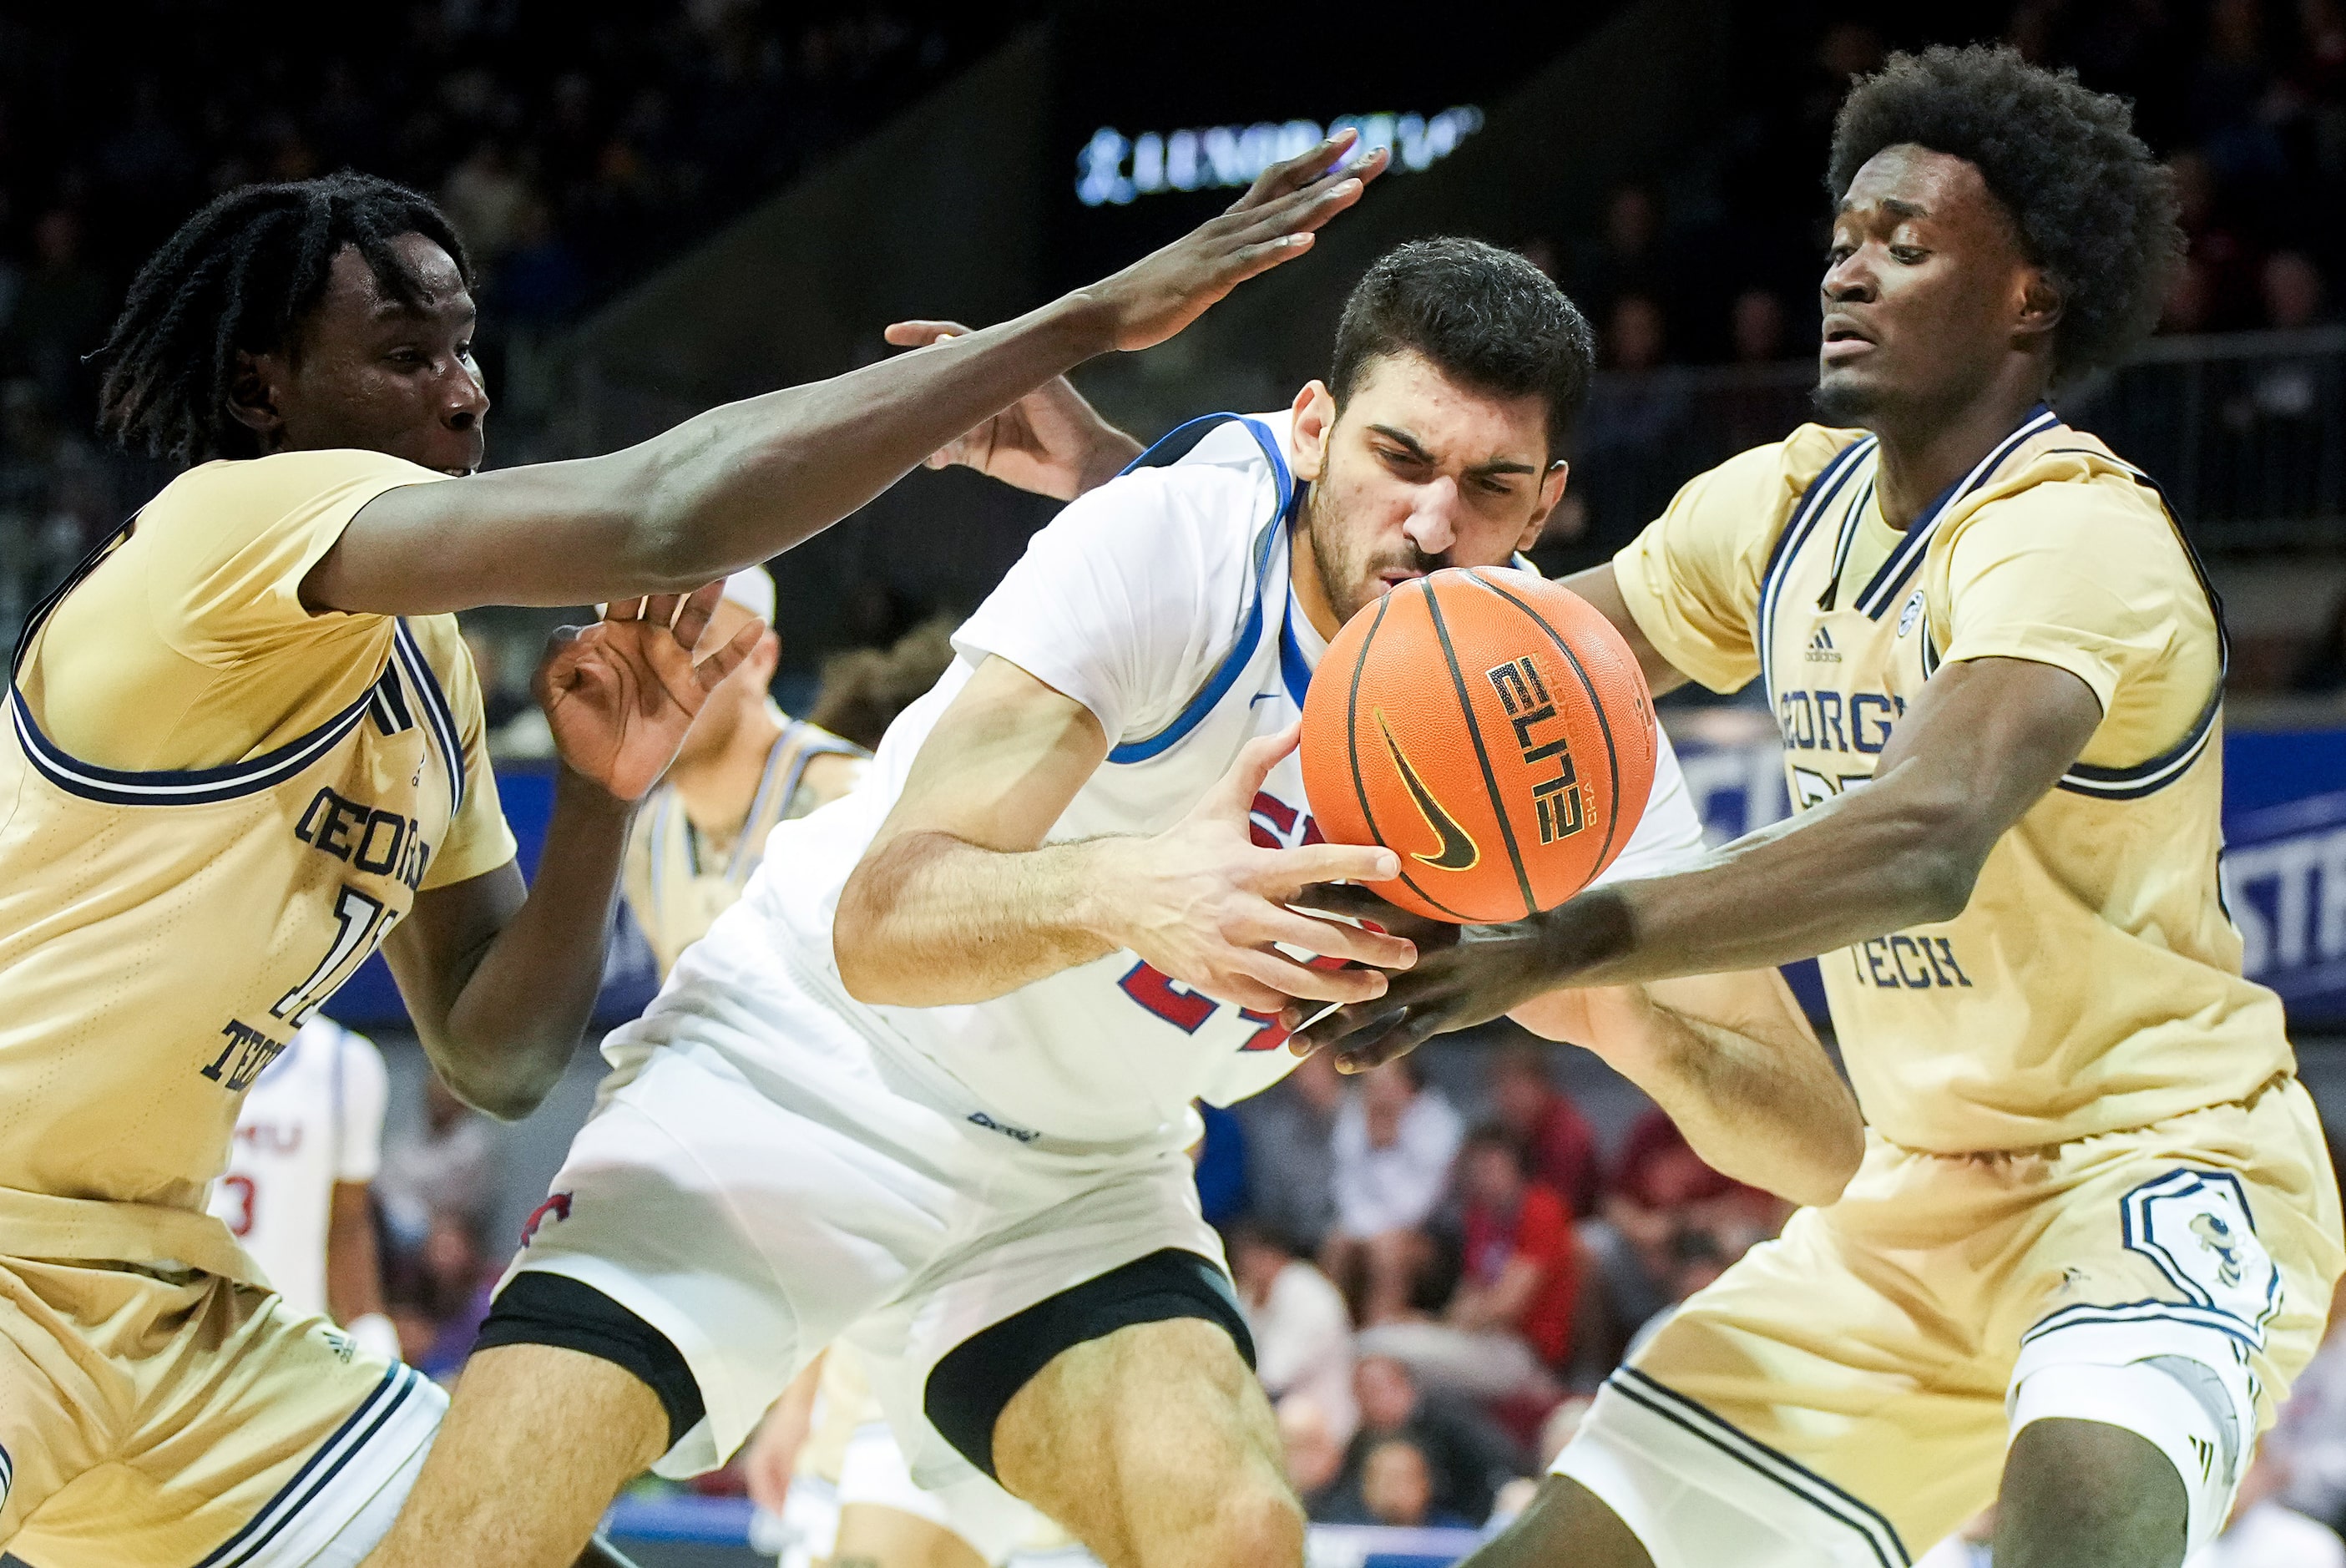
x,y
1294,669
437,714
1879,1533
1810,506
2147,778
1907,559
347,1442
1171,449
173,787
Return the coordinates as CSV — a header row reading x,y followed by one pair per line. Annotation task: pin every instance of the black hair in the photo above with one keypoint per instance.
x,y
1484,316
243,274
1500,1136
2091,205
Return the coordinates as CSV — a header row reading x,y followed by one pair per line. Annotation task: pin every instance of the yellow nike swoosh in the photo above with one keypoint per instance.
x,y
1458,852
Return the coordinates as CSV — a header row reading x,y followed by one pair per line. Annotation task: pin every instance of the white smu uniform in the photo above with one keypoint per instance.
x,y
773,1164
313,1118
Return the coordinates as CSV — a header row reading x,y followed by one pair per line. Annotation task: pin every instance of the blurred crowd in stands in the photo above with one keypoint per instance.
x,y
574,148
1437,1285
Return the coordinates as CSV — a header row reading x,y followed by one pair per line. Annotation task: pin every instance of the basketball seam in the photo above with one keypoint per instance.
x,y
1353,758
1482,754
1596,705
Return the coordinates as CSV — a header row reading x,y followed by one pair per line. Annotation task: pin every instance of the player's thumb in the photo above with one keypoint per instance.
x,y
1255,760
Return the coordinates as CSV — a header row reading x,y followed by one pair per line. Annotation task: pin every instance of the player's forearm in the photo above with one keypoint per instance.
x,y
353,1275
930,921
1742,1076
746,481
516,1021
1865,864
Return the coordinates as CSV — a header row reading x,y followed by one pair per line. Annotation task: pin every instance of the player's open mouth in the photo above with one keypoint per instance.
x,y
1388,581
1844,339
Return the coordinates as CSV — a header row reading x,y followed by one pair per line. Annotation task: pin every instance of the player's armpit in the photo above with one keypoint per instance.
x,y
1733,1061
1602,588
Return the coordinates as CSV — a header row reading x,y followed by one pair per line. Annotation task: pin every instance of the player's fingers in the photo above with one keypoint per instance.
x,y
1291,979
709,671
1350,901
1295,173
1336,938
1410,1028
692,620
1312,206
622,610
1290,871
920,334
659,609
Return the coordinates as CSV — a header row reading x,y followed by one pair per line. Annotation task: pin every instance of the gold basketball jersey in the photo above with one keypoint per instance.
x,y
2093,982
675,885
250,798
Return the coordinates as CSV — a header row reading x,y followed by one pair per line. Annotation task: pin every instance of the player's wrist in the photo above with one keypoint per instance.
x,y
582,791
1570,943
1110,451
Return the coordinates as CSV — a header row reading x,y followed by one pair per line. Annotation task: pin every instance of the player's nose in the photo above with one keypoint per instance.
x,y
465,397
1433,524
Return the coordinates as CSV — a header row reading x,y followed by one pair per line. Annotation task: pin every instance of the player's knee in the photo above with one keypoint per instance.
x,y
2083,1494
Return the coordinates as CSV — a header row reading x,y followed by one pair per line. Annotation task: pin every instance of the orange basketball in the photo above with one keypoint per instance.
x,y
1492,729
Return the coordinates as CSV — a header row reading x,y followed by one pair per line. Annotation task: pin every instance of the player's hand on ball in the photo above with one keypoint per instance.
x,y
1051,442
621,694
1274,221
1484,973
1204,903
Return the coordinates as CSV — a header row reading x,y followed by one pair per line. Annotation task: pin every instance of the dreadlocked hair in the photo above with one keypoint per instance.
x,y
242,274
2092,207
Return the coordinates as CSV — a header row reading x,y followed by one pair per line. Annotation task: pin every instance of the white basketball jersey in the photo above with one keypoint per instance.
x,y
1162,601
313,1118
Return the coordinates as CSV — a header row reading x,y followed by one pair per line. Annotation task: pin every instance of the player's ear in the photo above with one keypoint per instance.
x,y
1307,438
2040,304
1551,492
252,395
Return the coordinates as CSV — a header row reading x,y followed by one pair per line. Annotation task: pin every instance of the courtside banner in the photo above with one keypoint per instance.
x,y
2284,864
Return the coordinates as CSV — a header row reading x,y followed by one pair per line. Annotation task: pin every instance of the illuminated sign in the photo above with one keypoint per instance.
x,y
1112,168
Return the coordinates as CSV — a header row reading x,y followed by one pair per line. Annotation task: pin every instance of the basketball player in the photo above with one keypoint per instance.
x,y
243,751
308,1141
2095,1230
926,1089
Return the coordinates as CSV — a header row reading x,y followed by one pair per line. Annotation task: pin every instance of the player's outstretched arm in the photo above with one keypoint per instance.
x,y
958,900
1733,1062
743,483
1983,744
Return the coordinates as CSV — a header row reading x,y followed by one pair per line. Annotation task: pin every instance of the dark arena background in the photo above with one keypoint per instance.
x,y
672,206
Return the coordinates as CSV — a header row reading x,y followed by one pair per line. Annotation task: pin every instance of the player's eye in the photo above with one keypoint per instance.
x,y
1907,255
1494,487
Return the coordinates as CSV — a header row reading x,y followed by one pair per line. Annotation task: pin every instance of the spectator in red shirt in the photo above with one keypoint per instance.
x,y
1522,1271
1558,1139
1508,1324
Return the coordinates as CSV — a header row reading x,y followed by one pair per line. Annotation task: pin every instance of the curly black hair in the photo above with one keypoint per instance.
x,y
242,274
1483,315
2092,208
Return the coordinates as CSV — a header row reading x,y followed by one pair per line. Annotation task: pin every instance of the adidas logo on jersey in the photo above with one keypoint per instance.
x,y
1821,648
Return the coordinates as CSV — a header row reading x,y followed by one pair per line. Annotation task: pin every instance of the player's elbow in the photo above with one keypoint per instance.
x,y
1940,849
862,943
507,1090
1835,1151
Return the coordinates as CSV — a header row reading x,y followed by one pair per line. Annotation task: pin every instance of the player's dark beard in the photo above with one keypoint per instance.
x,y
1843,403
1349,572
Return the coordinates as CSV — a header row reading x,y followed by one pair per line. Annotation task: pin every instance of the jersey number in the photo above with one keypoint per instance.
x,y
242,1188
357,918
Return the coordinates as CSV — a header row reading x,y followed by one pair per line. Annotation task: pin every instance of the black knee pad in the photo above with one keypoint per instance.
x,y
967,1389
542,1309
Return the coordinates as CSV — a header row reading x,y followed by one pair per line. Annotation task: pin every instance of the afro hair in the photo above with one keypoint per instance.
x,y
2092,208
